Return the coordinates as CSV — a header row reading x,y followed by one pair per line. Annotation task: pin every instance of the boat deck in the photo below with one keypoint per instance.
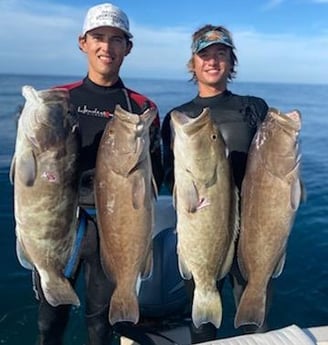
x,y
291,335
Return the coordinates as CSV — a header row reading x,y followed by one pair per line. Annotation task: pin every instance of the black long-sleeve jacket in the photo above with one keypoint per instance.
x,y
94,106
237,117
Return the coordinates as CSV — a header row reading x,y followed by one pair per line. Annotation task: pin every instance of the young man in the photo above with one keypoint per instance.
x,y
212,65
106,41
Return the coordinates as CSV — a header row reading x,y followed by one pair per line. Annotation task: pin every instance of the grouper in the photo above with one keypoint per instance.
x,y
125,193
271,193
44,171
206,202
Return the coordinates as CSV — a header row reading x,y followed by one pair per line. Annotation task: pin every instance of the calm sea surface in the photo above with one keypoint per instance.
x,y
300,293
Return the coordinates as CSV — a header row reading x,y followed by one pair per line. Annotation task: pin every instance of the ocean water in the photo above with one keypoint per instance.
x,y
300,294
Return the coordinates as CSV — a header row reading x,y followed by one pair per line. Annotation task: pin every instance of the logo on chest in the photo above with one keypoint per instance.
x,y
94,112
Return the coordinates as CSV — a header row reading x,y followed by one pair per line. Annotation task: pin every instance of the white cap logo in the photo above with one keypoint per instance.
x,y
106,15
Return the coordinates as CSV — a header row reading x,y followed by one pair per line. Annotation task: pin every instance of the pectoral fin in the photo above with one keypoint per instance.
x,y
242,266
296,194
184,271
174,197
22,257
190,197
154,186
280,266
26,168
303,191
12,170
138,191
148,266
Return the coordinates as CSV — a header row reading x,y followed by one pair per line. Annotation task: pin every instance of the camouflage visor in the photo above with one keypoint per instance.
x,y
209,38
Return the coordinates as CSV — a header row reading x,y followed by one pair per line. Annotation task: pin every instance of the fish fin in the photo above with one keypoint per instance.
x,y
147,268
190,197
22,257
154,187
123,307
138,284
251,308
234,214
12,169
303,191
296,194
241,266
228,261
235,228
226,152
280,266
206,307
174,197
183,269
241,263
138,192
57,290
26,168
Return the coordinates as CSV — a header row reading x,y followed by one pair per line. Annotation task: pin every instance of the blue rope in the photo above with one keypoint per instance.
x,y
71,264
90,211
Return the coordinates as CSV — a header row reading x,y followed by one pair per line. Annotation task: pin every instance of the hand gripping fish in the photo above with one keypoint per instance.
x,y
44,172
270,196
125,193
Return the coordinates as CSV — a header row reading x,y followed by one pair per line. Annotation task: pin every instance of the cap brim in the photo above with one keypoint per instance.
x,y
127,33
209,43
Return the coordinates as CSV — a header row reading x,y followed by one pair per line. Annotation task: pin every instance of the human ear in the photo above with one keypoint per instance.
x,y
81,42
128,47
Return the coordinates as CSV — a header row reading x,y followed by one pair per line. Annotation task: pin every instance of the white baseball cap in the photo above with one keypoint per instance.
x,y
106,15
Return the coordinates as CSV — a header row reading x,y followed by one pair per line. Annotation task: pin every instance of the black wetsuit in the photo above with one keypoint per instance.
x,y
94,105
238,118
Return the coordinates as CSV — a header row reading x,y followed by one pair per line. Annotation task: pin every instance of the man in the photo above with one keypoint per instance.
x,y
212,66
106,41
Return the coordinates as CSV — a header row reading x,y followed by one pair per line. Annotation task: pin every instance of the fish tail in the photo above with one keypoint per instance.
x,y
207,307
58,292
123,307
251,308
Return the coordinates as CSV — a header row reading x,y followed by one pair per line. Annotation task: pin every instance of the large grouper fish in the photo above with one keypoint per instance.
x,y
125,193
44,171
206,201
270,196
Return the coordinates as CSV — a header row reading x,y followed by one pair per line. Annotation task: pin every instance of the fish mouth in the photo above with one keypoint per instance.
x,y
289,120
189,124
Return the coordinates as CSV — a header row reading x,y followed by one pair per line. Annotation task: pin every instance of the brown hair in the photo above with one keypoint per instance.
x,y
197,35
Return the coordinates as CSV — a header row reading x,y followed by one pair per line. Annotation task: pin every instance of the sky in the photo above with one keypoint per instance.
x,y
276,40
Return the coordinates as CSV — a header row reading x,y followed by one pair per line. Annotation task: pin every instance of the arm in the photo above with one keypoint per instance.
x,y
168,158
256,110
156,152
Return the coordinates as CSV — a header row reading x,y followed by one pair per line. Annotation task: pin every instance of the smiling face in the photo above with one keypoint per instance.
x,y
212,67
105,48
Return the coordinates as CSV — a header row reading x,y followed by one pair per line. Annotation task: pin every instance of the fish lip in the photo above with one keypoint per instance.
x,y
127,117
291,120
186,122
